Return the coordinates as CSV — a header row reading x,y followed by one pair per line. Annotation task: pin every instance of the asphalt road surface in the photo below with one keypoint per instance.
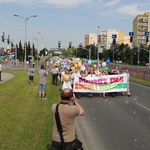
x,y
117,123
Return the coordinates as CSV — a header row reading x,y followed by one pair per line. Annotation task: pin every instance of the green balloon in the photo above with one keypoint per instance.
x,y
93,61
105,68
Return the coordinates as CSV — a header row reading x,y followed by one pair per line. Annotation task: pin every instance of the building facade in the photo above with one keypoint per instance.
x,y
141,25
91,39
105,38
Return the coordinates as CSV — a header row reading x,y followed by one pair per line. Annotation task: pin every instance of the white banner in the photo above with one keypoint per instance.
x,y
102,84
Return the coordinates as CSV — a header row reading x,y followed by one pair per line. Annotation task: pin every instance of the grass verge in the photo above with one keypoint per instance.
x,y
26,121
140,80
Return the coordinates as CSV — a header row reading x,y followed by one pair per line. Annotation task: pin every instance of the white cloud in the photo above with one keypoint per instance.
x,y
49,2
132,9
112,2
63,2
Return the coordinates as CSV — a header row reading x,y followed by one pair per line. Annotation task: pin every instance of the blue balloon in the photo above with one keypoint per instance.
x,y
108,61
89,62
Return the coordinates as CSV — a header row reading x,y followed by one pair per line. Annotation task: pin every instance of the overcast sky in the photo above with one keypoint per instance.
x,y
66,20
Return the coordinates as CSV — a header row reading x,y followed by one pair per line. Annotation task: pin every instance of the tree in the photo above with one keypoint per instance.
x,y
21,52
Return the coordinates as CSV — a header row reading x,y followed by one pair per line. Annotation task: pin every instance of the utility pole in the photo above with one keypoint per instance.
x,y
98,50
138,56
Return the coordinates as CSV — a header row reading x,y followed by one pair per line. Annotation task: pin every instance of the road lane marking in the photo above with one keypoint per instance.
x,y
142,106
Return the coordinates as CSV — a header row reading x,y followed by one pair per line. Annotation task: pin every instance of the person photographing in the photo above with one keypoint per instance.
x,y
68,110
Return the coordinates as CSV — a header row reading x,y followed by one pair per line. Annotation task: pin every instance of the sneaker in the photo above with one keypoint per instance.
x,y
91,95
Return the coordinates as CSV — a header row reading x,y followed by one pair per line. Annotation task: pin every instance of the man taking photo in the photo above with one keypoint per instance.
x,y
68,109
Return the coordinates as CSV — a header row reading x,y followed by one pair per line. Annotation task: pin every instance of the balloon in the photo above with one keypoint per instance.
x,y
94,65
105,68
79,64
56,69
103,64
64,66
75,65
85,64
72,68
89,62
82,68
27,62
58,65
99,65
68,67
93,61
108,61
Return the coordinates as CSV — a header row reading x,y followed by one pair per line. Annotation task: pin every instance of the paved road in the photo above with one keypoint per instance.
x,y
6,77
117,123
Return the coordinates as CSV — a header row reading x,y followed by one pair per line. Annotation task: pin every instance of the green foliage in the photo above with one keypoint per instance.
x,y
143,63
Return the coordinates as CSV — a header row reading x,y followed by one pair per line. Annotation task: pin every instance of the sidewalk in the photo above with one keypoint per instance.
x,y
6,77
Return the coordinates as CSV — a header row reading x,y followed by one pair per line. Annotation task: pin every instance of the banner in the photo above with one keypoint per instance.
x,y
102,84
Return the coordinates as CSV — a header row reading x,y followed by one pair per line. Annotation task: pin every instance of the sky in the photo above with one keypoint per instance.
x,y
66,20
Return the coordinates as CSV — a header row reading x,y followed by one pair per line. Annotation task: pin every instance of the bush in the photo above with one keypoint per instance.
x,y
143,63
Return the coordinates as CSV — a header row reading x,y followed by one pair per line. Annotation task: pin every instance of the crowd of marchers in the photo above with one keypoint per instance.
x,y
64,71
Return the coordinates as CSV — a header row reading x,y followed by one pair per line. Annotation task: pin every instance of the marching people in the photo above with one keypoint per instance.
x,y
54,72
126,72
68,110
66,77
91,74
42,73
75,73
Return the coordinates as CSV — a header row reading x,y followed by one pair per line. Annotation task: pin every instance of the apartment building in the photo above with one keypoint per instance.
x,y
106,38
141,25
92,38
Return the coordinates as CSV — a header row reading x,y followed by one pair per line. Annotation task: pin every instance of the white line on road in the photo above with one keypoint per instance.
x,y
142,106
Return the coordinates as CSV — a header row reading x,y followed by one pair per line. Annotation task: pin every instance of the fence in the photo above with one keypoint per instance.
x,y
136,72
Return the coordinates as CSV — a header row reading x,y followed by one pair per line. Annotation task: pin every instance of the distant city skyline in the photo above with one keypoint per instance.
x,y
66,20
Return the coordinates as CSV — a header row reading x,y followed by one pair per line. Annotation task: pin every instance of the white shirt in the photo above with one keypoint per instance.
x,y
0,67
91,75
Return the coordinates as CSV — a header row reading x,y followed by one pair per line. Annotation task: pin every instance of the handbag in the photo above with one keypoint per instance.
x,y
75,144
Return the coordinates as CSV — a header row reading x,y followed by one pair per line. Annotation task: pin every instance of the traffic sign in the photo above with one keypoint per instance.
x,y
100,50
131,33
146,33
114,36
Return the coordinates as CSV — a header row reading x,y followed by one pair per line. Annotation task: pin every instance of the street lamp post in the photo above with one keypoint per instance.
x,y
25,20
32,41
98,47
37,45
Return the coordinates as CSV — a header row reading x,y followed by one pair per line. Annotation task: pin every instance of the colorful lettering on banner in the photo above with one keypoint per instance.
x,y
109,83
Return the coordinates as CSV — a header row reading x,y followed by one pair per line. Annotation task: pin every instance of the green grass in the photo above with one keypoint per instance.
x,y
26,121
140,80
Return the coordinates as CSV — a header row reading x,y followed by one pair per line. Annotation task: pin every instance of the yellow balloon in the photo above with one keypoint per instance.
x,y
79,64
75,65
56,69
72,68
94,65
